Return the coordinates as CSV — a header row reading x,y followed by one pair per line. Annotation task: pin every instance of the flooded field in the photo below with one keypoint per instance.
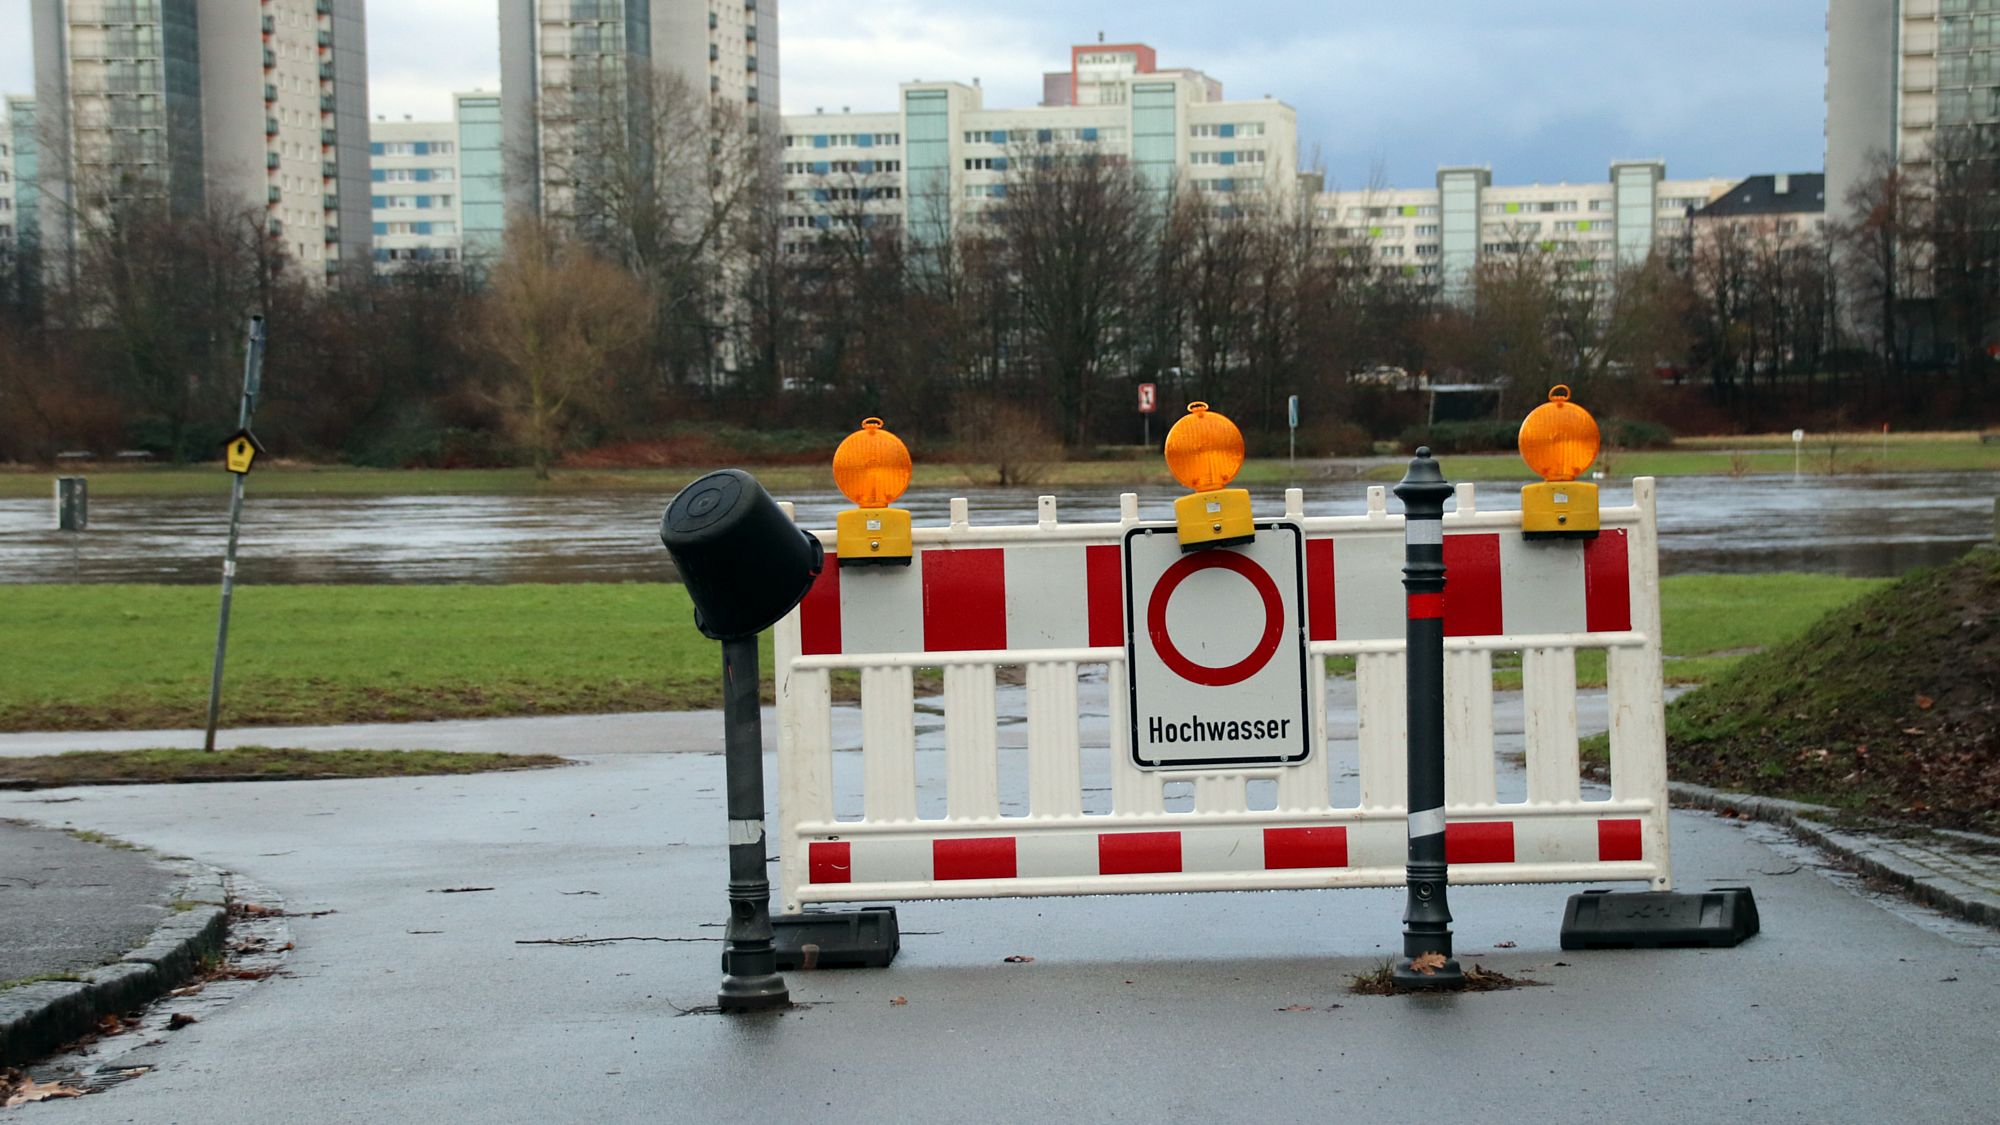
x,y
1871,525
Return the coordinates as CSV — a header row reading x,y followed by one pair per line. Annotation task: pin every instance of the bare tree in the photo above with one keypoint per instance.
x,y
559,322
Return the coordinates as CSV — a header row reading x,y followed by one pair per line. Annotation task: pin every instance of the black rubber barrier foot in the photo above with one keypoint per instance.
x,y
843,939
1716,919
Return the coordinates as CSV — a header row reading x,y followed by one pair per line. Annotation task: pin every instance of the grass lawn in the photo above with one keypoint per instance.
x,y
250,763
1910,453
137,657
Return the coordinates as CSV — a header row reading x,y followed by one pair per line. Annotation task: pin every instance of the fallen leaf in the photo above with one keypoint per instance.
x,y
1428,963
1504,944
1017,959
180,1020
1924,702
33,1091
900,1001
1295,1008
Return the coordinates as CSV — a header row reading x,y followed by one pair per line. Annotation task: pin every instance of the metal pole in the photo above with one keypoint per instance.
x,y
253,367
1427,962
750,978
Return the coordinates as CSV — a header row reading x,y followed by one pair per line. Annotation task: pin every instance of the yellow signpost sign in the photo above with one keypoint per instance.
x,y
240,451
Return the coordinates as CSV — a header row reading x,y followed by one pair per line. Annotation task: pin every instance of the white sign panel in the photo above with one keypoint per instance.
x,y
1215,646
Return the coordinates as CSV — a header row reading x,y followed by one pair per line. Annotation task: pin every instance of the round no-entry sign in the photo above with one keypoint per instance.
x,y
1215,650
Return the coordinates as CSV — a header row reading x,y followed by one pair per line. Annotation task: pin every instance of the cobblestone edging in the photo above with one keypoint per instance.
x,y
1956,872
37,1018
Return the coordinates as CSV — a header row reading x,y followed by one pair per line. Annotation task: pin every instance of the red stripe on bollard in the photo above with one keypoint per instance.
x,y
830,862
819,613
1488,842
965,600
1288,849
1104,591
1426,606
1472,586
988,857
1607,583
1138,853
1619,840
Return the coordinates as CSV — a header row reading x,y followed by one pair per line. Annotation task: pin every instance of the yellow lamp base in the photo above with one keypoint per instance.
x,y
1214,519
873,537
1565,509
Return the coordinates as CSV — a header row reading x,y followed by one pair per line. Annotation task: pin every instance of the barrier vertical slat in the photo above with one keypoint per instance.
x,y
1220,792
1055,762
1548,700
1133,790
1638,696
1384,728
1304,786
888,730
1468,726
972,742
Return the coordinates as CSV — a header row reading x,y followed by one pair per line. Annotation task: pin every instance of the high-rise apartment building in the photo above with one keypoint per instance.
x,y
943,157
725,50
435,186
8,217
1902,76
199,106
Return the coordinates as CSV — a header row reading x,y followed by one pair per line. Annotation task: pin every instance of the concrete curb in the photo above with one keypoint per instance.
x,y
1815,825
37,1018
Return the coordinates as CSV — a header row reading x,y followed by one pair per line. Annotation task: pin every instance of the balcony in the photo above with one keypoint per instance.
x,y
328,170
326,72
274,227
326,39
272,160
270,126
270,93
326,103
324,7
270,59
326,138
329,202
272,194
270,25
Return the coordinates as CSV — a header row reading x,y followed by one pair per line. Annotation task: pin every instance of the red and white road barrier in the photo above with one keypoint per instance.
x,y
1047,599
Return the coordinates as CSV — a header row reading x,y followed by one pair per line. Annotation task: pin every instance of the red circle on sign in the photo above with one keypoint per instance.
x,y
1175,660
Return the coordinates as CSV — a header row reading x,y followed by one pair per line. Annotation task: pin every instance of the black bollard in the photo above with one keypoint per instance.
x,y
1427,962
750,978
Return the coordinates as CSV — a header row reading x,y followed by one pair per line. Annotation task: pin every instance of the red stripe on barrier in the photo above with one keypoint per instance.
x,y
990,857
965,600
1104,589
1138,853
1619,839
1607,583
1287,849
1472,586
1321,621
819,613
1488,842
830,862
1425,606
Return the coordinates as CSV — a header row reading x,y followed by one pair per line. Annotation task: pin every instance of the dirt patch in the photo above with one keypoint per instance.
x,y
1888,707
1381,981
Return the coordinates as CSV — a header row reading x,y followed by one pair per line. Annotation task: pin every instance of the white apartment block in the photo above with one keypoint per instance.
x,y
726,48
208,105
943,158
8,216
1899,74
435,186
1442,233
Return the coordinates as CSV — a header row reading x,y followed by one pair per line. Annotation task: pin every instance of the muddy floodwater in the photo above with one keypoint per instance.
x,y
1870,525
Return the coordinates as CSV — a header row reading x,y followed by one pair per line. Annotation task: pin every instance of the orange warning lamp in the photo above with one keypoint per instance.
x,y
1559,441
872,468
1205,452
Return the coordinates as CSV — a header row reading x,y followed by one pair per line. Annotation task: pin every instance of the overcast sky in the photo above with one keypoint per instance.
x,y
1542,90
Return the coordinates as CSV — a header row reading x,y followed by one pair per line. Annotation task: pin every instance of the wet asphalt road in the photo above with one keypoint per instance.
x,y
405,1004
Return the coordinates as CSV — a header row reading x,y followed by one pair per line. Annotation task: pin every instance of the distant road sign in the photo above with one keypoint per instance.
x,y
1148,400
1215,649
1292,410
